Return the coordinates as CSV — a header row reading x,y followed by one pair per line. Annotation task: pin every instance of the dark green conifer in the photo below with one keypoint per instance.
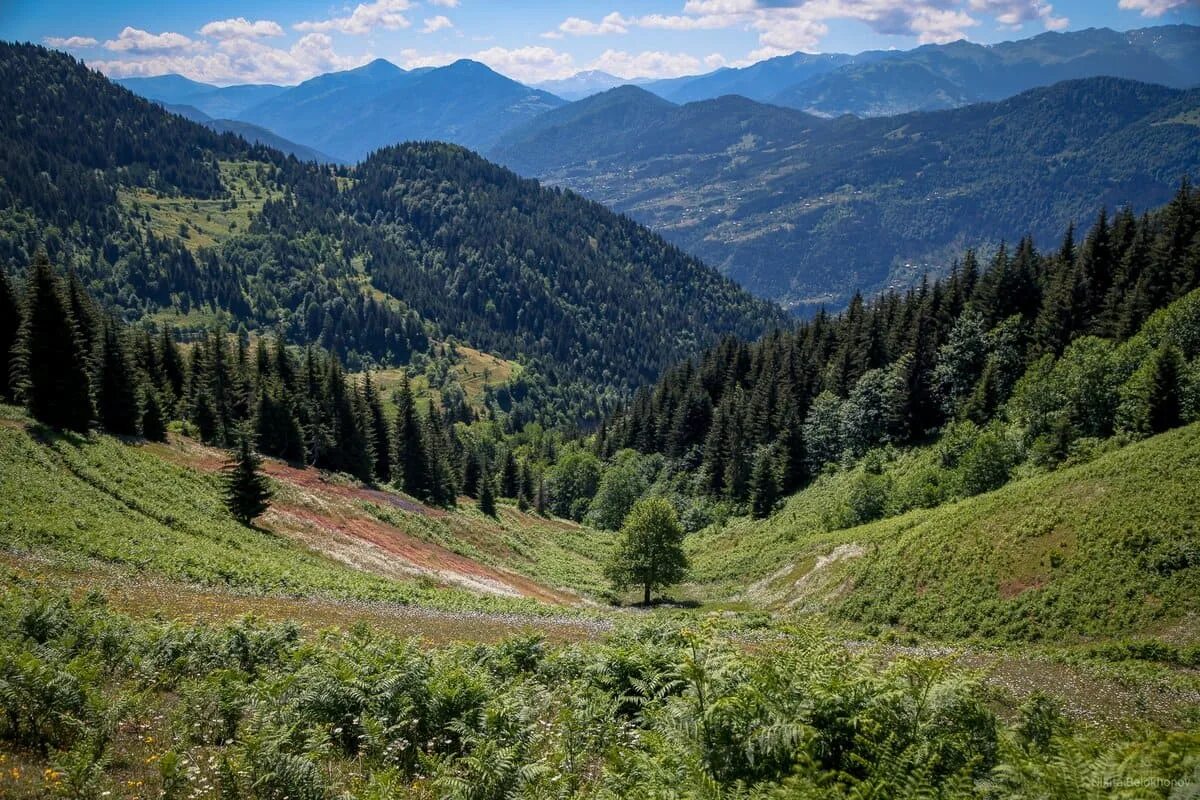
x,y
10,327
116,387
247,490
153,421
487,495
50,366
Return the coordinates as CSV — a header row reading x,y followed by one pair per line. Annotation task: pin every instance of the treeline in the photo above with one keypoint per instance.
x,y
757,421
76,368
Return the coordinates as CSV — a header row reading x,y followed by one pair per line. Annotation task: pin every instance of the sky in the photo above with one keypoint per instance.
x,y
272,41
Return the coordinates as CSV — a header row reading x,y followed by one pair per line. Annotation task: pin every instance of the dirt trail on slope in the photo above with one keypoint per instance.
x,y
325,515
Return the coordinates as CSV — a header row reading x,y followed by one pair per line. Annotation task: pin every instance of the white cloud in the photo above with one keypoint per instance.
x,y
70,42
648,64
438,23
133,40
242,61
241,28
446,3
529,64
612,23
1015,13
785,26
675,22
1153,8
365,18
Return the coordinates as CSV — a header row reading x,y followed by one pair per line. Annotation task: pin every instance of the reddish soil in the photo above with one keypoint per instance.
x,y
369,535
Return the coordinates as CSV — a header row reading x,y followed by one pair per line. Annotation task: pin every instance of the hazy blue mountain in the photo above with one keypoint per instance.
x,y
583,84
955,74
249,132
880,82
760,81
215,101
349,114
880,88
808,209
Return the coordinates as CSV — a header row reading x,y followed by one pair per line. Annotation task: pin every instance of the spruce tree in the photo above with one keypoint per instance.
x,y
471,473
153,421
487,495
409,470
764,485
50,366
10,327
442,489
381,445
116,387
1164,410
539,500
510,478
247,489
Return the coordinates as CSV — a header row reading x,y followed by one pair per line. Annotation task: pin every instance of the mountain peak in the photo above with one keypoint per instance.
x,y
380,67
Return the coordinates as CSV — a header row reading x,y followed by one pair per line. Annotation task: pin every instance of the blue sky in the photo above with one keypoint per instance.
x,y
240,41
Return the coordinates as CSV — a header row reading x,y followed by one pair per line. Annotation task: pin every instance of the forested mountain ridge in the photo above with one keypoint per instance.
x,y
1031,360
158,216
937,76
810,210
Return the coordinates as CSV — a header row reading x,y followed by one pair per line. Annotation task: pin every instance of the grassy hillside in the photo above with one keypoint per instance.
x,y
156,510
1105,548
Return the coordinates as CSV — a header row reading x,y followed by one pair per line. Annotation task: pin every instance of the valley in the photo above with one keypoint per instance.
x,y
339,460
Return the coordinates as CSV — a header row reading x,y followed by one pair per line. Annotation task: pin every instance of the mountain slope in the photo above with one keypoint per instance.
x,y
808,210
581,84
349,114
1098,549
249,132
876,83
760,81
215,101
168,220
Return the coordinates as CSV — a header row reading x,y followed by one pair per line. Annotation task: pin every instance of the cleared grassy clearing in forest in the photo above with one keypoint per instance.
x,y
199,222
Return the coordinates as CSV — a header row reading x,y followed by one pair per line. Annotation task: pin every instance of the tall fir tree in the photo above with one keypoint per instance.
x,y
10,327
1164,409
410,469
381,445
487,493
115,382
153,421
247,490
50,366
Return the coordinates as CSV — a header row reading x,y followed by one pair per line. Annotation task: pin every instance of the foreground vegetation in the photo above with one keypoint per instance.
x,y
97,704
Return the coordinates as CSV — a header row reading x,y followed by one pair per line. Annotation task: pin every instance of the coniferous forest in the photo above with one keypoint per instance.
x,y
415,478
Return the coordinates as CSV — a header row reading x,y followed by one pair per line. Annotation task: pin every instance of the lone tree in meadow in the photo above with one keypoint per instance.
x,y
247,490
650,549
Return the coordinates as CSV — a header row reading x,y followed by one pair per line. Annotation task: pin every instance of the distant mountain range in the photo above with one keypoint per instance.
x,y
350,114
218,102
807,209
583,84
932,77
755,169
249,132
